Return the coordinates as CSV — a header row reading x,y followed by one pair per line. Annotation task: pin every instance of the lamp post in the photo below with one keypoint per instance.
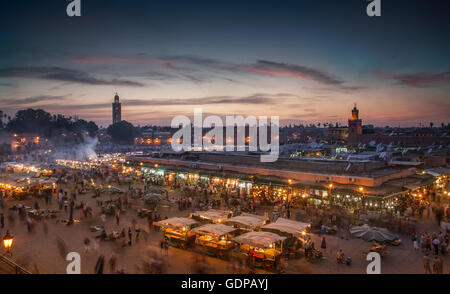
x,y
7,242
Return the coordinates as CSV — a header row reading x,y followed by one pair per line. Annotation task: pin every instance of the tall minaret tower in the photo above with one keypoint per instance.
x,y
116,110
354,127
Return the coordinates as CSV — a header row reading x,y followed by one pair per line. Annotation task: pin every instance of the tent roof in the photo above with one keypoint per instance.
x,y
287,226
259,239
175,222
214,229
213,214
249,220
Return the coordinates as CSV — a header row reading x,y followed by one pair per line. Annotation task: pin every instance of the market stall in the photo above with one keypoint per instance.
x,y
246,222
178,230
214,216
216,239
263,248
294,231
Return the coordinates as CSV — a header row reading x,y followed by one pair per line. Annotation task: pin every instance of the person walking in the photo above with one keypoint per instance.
x,y
130,236
117,216
426,263
436,265
72,206
166,246
99,265
415,242
324,243
436,243
112,264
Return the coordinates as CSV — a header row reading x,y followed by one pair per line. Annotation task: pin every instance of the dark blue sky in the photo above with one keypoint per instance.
x,y
301,60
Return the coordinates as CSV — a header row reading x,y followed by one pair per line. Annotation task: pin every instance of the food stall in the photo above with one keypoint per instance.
x,y
294,231
216,239
246,222
263,248
214,216
178,230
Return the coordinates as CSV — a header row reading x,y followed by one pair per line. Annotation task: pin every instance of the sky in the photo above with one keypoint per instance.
x,y
304,61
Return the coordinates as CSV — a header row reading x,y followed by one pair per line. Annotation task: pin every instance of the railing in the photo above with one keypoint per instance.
x,y
7,266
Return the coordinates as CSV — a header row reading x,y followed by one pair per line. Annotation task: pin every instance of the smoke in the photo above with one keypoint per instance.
x,y
81,152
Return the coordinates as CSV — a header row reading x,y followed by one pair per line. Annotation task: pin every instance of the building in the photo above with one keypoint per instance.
x,y
116,110
354,127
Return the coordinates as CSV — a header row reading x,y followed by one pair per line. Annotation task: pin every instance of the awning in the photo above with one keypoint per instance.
x,y
259,239
252,221
213,229
175,222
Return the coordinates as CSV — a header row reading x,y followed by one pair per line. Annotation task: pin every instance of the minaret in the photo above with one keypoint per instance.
x,y
354,127
116,110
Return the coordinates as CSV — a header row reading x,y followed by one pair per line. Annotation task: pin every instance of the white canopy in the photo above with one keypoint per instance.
x,y
213,214
175,222
258,239
288,226
248,220
214,229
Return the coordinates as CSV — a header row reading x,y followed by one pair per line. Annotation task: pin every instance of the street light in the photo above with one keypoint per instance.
x,y
8,241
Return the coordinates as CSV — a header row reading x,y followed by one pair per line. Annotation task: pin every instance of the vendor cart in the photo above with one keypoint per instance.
x,y
215,239
177,230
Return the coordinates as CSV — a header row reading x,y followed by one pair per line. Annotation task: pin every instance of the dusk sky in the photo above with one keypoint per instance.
x,y
305,61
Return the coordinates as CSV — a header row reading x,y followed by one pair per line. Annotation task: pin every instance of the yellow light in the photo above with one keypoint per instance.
x,y
290,181
361,189
156,165
303,233
7,241
141,164
330,186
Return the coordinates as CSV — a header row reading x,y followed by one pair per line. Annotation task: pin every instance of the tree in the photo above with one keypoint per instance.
x,y
43,123
123,132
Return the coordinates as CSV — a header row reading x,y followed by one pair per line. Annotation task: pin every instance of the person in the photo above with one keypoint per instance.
x,y
436,265
86,242
426,263
415,242
112,264
161,243
72,205
324,243
117,216
2,220
166,246
427,242
436,243
99,265
340,255
129,236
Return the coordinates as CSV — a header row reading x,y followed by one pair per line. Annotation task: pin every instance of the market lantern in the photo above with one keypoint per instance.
x,y
361,189
290,181
8,241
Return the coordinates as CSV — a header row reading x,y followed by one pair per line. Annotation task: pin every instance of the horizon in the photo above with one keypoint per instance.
x,y
308,64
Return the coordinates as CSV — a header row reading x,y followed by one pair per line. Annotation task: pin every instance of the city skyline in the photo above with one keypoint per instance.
x,y
303,61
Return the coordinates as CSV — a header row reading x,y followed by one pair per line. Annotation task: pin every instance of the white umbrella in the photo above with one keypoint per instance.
x,y
370,234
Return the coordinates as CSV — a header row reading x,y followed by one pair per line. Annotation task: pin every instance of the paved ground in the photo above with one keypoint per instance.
x,y
39,252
